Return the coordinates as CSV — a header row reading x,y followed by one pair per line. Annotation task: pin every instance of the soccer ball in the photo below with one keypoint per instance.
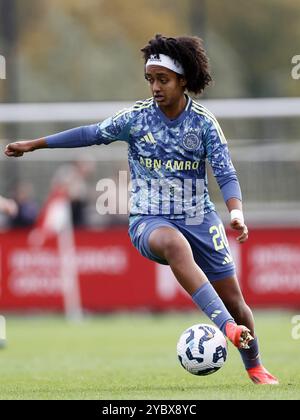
x,y
202,349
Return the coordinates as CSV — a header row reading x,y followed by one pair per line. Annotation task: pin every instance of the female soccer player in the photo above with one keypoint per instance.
x,y
172,220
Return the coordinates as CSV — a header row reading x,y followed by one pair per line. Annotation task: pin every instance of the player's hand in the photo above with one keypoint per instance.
x,y
8,206
237,224
18,148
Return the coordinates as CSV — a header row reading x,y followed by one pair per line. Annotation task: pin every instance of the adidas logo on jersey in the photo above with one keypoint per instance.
x,y
148,138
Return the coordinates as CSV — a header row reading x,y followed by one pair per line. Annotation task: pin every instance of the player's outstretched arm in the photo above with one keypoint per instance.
x,y
18,148
104,133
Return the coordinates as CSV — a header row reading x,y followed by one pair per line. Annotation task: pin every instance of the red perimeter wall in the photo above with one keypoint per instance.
x,y
113,276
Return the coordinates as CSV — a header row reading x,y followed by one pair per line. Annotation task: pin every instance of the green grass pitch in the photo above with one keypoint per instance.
x,y
133,356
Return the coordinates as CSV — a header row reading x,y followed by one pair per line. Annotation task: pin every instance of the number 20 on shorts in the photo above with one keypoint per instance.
x,y
219,237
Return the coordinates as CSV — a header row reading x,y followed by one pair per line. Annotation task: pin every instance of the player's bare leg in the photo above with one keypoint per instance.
x,y
229,291
170,245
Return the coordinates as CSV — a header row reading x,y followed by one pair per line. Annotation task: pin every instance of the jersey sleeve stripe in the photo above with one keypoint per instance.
x,y
214,121
202,108
136,107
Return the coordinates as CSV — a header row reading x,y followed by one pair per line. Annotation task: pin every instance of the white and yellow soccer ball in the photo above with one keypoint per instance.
x,y
202,349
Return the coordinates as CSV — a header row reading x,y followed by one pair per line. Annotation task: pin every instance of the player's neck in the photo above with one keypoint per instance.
x,y
174,110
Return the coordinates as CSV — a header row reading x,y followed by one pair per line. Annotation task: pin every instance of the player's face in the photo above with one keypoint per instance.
x,y
166,86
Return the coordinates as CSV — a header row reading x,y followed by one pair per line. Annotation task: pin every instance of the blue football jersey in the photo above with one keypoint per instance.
x,y
167,157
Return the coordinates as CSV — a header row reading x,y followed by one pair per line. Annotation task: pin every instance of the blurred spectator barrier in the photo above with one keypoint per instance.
x,y
113,275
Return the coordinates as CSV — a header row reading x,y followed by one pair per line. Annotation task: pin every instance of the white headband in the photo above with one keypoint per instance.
x,y
165,61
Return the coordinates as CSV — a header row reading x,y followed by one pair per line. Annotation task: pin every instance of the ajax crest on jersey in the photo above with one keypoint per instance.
x,y
191,141
202,349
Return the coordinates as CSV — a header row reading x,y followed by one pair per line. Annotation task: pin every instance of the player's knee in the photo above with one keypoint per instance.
x,y
168,243
175,249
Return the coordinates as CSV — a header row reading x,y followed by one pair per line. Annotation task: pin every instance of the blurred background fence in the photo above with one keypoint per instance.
x,y
268,164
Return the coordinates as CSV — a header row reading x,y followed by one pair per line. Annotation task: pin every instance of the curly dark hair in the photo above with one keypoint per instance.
x,y
189,52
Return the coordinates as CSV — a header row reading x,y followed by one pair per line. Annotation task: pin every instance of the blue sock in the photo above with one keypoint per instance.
x,y
209,301
250,356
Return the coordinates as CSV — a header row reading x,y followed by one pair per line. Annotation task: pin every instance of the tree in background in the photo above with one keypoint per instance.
x,y
263,36
74,50
82,51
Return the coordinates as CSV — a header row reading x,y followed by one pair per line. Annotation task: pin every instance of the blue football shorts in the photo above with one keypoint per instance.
x,y
208,241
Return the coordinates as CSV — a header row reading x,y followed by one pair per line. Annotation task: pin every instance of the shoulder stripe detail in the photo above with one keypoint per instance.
x,y
136,107
144,101
143,105
205,110
214,121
